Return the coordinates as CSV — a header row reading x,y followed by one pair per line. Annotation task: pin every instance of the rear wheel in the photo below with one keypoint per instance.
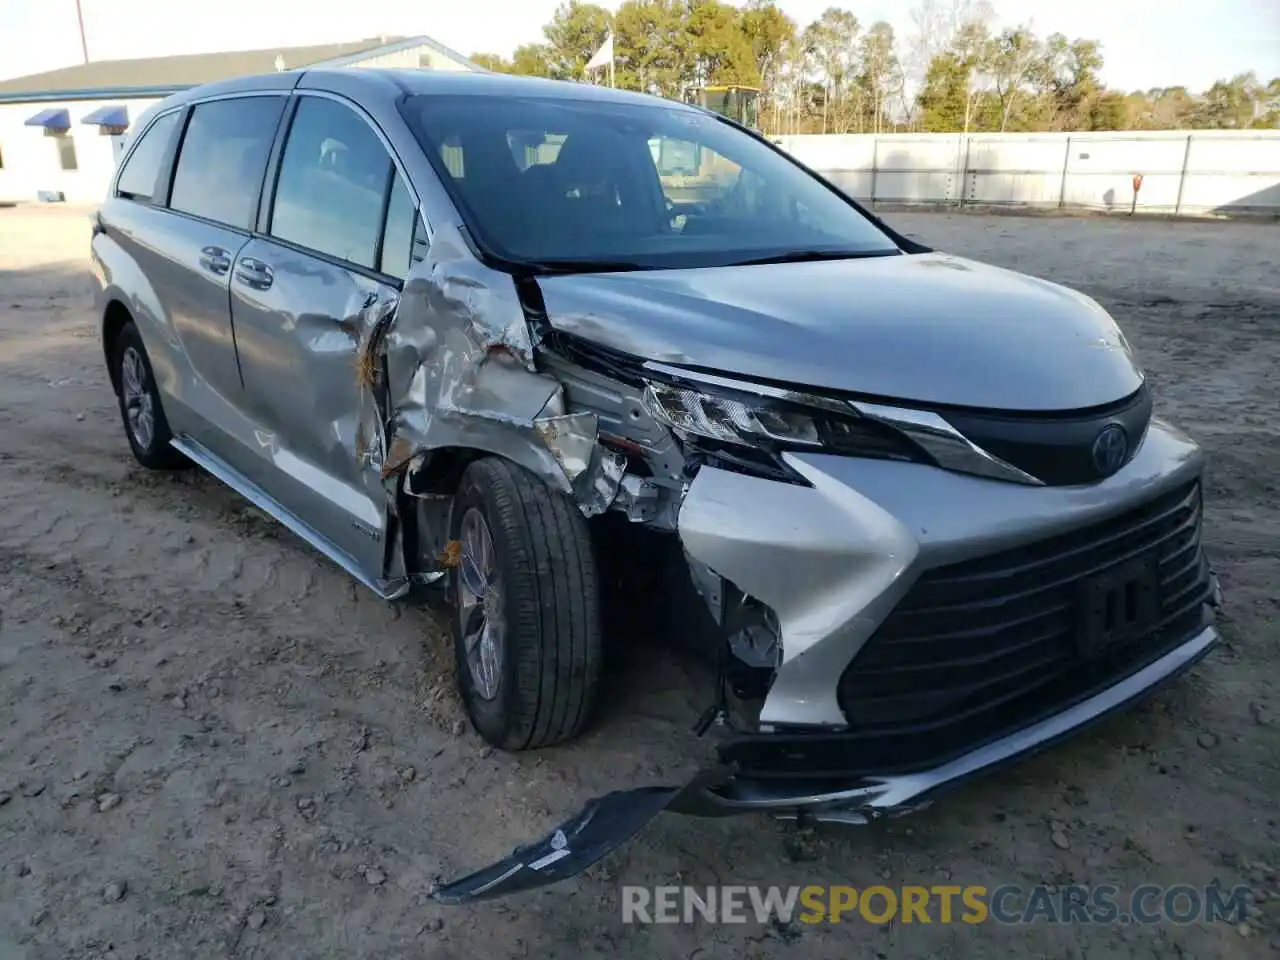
x,y
526,619
140,410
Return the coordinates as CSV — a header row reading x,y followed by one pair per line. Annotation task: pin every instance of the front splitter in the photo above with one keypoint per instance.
x,y
608,822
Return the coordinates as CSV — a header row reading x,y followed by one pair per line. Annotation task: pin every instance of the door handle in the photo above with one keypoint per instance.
x,y
215,259
254,273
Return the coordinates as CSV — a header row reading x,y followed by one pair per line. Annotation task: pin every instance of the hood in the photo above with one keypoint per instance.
x,y
930,328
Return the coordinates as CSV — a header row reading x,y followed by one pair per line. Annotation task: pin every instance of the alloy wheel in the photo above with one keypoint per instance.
x,y
137,398
480,602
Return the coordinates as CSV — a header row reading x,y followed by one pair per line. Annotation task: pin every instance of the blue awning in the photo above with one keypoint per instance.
x,y
108,117
51,119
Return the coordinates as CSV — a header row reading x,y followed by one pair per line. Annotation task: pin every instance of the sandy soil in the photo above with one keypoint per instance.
x,y
214,744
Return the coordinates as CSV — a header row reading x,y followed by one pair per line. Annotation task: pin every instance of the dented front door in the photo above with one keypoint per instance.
x,y
299,320
328,259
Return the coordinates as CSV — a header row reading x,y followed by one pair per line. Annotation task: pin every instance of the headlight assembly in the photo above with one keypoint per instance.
x,y
748,426
773,424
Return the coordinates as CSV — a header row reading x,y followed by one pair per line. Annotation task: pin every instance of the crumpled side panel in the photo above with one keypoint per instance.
x,y
452,366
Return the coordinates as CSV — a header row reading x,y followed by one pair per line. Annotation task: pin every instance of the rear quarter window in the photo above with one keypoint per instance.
x,y
142,169
224,158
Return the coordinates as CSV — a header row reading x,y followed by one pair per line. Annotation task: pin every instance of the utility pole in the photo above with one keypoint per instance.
x,y
84,46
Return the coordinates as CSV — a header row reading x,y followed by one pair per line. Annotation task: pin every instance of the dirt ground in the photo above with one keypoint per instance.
x,y
214,744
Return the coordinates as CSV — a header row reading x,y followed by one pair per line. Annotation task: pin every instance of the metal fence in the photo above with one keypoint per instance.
x,y
1178,172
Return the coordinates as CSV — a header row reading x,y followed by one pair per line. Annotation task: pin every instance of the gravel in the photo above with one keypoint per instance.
x,y
169,578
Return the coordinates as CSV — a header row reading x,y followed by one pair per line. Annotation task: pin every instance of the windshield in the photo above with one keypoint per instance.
x,y
593,185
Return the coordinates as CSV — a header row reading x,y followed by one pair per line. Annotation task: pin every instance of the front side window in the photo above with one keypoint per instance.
x,y
397,235
594,184
142,169
224,158
333,179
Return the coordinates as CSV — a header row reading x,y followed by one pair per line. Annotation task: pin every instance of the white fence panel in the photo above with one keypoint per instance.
x,y
1128,155
1015,155
916,186
1183,172
833,151
919,152
1013,187
1228,193
1232,176
856,183
1237,155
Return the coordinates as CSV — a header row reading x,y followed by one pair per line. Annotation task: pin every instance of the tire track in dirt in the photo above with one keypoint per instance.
x,y
120,523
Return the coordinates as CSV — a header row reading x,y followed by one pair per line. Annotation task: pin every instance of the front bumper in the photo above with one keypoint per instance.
x,y
833,560
611,821
873,797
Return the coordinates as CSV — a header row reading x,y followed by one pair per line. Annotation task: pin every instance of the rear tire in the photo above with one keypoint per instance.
x,y
140,410
535,610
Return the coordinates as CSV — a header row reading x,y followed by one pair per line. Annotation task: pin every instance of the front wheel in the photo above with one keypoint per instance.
x,y
526,623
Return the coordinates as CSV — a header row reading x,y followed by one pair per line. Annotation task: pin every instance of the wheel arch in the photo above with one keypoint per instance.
x,y
115,316
433,482
442,468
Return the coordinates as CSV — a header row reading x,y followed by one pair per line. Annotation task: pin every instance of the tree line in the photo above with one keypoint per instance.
x,y
952,71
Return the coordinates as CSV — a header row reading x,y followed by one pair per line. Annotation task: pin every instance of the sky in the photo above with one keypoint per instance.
x,y
1146,43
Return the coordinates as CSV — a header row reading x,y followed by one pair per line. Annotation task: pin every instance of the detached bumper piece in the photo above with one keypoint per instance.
x,y
1052,637
603,825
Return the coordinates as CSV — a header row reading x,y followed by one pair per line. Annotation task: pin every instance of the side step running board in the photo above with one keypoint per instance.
x,y
264,501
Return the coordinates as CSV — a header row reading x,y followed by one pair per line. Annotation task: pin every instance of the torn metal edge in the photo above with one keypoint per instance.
x,y
449,364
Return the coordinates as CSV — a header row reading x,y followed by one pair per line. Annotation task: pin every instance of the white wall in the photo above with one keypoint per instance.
x,y
1198,172
31,158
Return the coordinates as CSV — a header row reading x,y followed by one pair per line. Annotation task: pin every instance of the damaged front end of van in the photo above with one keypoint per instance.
x,y
896,608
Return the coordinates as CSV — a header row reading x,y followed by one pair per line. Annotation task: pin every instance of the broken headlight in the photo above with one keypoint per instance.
x,y
774,421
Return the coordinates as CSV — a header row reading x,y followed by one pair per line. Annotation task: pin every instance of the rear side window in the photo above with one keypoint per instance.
x,y
223,158
333,180
142,169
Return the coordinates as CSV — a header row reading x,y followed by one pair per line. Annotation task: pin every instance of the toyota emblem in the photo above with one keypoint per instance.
x,y
1110,449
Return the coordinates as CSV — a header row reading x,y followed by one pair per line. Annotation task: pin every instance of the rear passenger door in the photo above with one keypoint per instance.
x,y
213,202
335,242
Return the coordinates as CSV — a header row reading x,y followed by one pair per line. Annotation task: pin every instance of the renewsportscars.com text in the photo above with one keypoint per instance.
x,y
945,904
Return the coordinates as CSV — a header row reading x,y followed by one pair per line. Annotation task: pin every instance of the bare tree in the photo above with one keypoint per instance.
x,y
879,69
831,42
972,47
937,24
1012,58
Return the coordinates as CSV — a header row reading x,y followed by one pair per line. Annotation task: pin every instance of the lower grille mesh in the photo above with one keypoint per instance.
x,y
986,645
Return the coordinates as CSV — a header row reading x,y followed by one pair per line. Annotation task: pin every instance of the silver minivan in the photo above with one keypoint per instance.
x,y
496,333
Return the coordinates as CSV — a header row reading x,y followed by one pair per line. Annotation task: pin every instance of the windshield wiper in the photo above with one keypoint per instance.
x,y
805,256
546,267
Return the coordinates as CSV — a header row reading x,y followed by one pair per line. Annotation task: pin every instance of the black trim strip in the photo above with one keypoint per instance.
x,y
382,216
271,175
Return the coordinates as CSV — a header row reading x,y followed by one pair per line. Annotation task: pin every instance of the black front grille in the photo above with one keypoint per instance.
x,y
1056,448
985,646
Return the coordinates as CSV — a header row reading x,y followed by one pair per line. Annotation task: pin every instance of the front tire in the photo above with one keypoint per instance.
x,y
140,409
526,622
